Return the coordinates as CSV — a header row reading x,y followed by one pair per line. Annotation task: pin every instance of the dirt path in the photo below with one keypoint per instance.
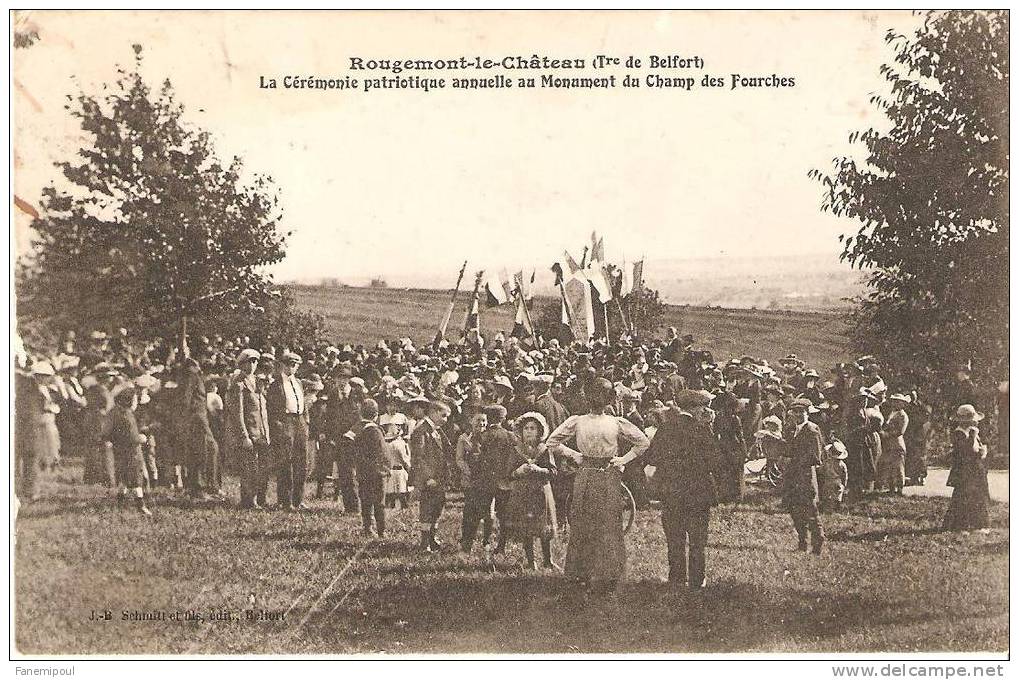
x,y
997,480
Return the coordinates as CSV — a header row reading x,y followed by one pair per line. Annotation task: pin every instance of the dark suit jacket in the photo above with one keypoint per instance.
x,y
368,446
799,481
246,414
341,414
499,446
428,456
554,412
685,454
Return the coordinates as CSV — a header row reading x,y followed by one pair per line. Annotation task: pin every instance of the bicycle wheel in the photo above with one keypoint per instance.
x,y
629,507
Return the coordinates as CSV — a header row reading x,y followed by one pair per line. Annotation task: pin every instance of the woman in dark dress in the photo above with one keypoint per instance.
x,y
127,449
729,430
968,477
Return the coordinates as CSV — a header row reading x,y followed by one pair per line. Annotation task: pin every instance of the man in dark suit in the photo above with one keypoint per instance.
x,y
685,454
341,414
799,494
247,427
288,427
546,404
368,447
429,471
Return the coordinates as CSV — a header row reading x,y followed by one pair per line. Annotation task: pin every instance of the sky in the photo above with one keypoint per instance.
x,y
408,184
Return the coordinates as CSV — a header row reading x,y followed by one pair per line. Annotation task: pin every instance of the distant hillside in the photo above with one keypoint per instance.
x,y
366,315
794,282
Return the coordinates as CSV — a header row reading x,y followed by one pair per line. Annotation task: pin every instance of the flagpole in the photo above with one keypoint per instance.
x,y
605,313
568,306
472,303
440,334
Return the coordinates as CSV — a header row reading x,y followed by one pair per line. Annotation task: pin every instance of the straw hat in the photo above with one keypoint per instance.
x,y
967,414
538,418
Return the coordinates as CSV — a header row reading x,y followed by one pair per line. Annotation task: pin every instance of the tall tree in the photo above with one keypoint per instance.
x,y
151,229
931,195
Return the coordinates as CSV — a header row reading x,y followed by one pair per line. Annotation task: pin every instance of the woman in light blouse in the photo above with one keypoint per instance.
x,y
596,554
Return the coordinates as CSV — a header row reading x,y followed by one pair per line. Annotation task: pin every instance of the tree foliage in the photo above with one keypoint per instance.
x,y
931,198
151,228
643,309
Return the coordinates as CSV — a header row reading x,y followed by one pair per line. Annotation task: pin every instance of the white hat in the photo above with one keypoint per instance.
x,y
248,354
292,357
967,414
538,418
146,381
43,368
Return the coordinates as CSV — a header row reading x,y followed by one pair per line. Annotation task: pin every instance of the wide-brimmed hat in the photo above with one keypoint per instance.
x,y
248,354
904,398
839,449
313,383
496,412
967,414
536,417
801,404
43,368
146,382
693,398
503,381
864,392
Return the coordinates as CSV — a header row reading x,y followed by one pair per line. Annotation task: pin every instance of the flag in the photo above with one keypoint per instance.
x,y
638,275
596,275
507,287
495,291
597,249
522,323
575,270
626,279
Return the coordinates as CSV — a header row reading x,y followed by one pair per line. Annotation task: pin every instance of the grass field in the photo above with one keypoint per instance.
x,y
365,315
888,580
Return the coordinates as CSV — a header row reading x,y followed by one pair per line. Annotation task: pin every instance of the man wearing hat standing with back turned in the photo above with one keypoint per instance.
x,y
288,419
686,456
800,493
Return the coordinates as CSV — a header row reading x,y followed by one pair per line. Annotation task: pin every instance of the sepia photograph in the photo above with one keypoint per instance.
x,y
511,334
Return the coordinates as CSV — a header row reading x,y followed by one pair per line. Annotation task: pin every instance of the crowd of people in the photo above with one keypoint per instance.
x,y
535,438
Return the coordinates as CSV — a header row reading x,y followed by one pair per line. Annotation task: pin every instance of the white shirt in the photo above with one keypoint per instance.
x,y
598,435
294,394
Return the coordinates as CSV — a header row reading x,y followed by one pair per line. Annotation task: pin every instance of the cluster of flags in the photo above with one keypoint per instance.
x,y
595,283
592,284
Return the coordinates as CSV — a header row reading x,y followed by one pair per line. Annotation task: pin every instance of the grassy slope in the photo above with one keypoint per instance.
x,y
888,581
365,315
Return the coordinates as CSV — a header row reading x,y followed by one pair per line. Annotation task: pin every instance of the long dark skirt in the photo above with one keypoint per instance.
x,y
596,551
130,467
968,508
